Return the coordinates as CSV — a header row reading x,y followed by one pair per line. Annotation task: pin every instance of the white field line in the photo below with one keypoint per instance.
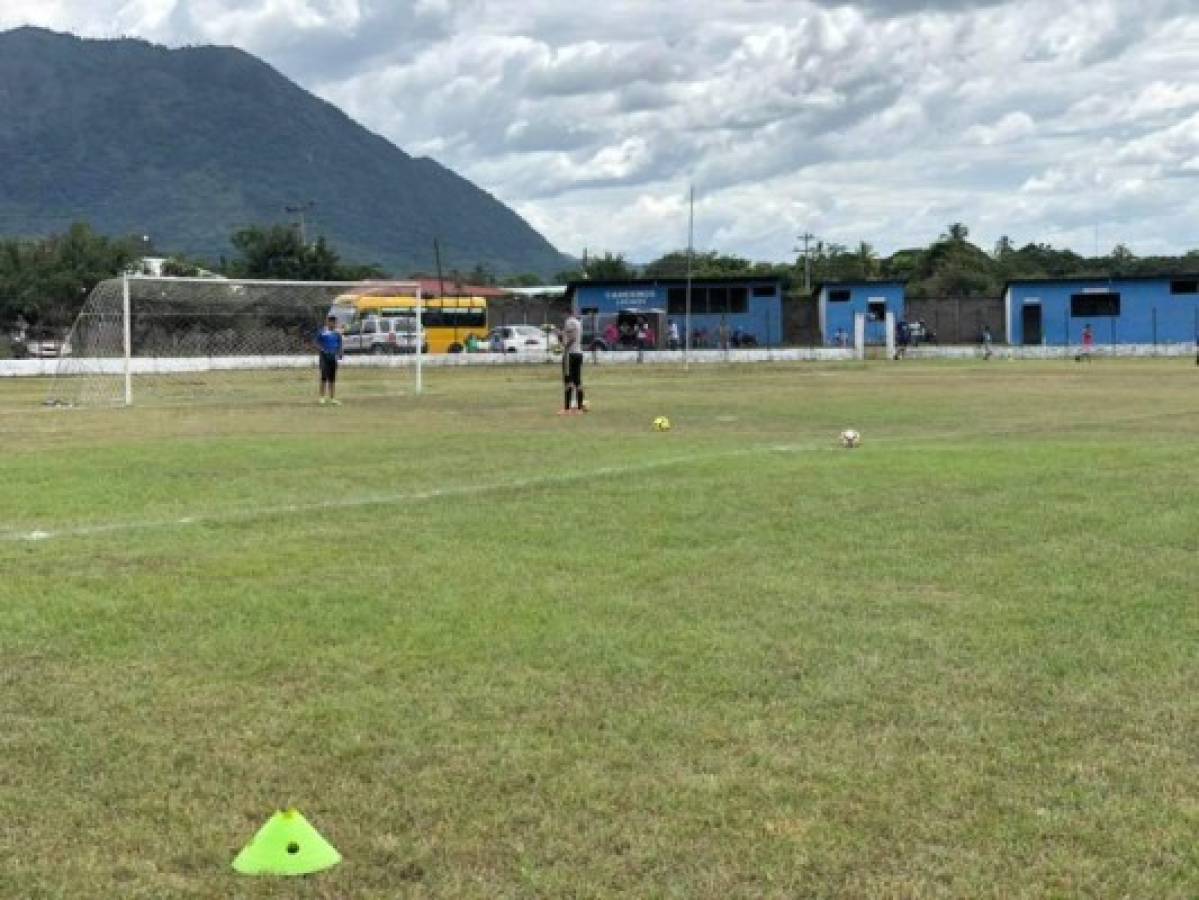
x,y
463,490
261,512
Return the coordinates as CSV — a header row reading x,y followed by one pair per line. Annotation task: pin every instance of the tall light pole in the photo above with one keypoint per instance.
x,y
690,255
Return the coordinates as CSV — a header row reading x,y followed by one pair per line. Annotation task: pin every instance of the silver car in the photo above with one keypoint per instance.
x,y
381,335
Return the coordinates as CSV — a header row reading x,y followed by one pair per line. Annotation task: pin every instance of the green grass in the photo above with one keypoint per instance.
x,y
531,656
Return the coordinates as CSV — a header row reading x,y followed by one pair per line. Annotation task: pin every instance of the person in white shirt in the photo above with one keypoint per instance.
x,y
572,366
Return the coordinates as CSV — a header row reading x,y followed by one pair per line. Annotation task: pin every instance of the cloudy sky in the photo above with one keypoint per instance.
x,y
1070,121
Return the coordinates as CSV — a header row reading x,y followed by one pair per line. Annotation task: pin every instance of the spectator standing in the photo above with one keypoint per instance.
x,y
612,336
1088,343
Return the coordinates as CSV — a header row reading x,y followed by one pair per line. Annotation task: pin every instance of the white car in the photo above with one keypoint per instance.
x,y
47,349
517,339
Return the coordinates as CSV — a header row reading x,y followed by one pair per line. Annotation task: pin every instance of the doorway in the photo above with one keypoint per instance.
x,y
1031,324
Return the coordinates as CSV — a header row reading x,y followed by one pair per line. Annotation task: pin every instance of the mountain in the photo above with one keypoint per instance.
x,y
189,145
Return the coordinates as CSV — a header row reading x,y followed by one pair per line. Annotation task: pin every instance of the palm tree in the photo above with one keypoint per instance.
x,y
867,259
957,233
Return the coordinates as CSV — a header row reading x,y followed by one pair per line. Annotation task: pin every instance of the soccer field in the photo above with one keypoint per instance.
x,y
493,652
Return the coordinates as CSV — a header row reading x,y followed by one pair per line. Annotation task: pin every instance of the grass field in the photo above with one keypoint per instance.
x,y
491,652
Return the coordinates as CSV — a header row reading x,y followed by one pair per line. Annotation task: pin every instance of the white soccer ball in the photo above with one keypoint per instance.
x,y
661,424
850,439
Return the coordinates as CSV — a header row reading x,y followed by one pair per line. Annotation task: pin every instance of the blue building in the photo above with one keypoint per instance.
x,y
1160,309
840,301
746,306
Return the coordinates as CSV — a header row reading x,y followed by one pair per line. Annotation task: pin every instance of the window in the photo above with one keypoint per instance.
x,y
1094,306
763,290
877,311
699,301
676,302
368,328
718,301
738,300
1184,286
840,295
455,317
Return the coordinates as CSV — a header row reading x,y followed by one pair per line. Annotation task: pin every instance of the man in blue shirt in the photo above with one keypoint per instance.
x,y
328,344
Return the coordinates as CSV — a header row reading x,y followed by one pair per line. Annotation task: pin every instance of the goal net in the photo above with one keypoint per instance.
x,y
187,340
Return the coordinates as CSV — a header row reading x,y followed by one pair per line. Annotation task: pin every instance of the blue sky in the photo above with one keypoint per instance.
x,y
882,121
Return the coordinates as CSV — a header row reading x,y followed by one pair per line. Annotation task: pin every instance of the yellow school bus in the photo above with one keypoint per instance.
x,y
449,321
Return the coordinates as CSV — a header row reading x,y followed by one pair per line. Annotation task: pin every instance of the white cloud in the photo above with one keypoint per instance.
x,y
1012,127
880,120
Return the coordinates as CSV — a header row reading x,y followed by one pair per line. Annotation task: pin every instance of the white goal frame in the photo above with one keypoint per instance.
x,y
127,365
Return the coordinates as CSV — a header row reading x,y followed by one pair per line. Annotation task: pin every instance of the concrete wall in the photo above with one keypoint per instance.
x,y
801,321
960,320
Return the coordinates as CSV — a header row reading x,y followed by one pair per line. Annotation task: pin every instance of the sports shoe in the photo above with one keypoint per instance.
x,y
324,401
334,402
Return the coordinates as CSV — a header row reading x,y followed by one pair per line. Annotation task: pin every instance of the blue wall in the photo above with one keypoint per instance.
x,y
838,314
1149,312
763,316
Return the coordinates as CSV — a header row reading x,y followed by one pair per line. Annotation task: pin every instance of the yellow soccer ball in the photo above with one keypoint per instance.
x,y
661,424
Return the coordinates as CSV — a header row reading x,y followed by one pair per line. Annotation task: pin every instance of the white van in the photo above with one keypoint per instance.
x,y
381,334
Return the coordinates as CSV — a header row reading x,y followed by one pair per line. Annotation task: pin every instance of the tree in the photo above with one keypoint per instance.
x,y
276,252
177,267
956,233
46,281
708,264
609,267
867,259
1122,259
527,279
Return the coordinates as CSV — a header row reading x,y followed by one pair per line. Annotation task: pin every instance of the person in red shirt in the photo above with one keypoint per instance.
x,y
1088,344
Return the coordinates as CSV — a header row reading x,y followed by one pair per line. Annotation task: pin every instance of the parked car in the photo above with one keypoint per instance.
x,y
381,334
517,339
46,348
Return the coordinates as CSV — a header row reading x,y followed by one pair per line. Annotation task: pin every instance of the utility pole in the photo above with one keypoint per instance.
x,y
807,237
440,278
690,257
302,209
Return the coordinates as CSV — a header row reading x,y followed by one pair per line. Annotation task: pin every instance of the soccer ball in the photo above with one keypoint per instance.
x,y
850,439
661,424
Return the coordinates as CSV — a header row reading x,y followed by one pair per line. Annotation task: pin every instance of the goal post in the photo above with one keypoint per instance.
x,y
142,339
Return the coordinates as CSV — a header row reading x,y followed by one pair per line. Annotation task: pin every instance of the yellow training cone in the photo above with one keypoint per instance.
x,y
286,845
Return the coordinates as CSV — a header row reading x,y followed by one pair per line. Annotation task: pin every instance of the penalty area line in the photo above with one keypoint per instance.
x,y
494,487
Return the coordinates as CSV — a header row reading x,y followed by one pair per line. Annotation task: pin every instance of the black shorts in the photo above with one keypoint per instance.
x,y
572,369
328,367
